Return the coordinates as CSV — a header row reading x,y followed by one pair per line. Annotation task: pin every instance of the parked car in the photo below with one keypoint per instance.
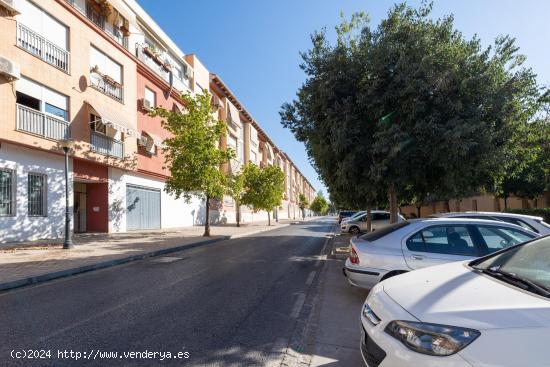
x,y
345,214
493,311
354,216
358,224
416,244
532,223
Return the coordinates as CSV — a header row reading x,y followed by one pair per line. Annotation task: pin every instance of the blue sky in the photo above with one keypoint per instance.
x,y
254,45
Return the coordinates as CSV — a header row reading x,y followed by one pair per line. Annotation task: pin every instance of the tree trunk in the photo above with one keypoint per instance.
x,y
207,220
392,196
418,210
447,206
369,218
268,218
238,214
505,203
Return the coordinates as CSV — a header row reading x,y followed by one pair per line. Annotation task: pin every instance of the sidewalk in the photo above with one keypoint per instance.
x,y
337,337
36,263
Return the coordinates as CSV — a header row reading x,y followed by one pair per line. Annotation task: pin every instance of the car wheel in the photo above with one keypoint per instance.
x,y
354,230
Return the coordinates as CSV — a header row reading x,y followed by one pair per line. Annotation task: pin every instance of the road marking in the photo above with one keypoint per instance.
x,y
310,278
277,354
298,305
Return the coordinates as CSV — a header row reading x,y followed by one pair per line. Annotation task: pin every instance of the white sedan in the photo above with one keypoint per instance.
x,y
493,311
417,244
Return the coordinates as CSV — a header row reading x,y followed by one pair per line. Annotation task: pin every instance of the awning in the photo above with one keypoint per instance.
x,y
114,120
159,142
123,10
234,114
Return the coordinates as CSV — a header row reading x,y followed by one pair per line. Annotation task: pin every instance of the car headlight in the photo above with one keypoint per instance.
x,y
431,339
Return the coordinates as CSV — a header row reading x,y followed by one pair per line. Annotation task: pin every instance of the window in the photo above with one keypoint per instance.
x,y
44,24
373,236
106,75
7,192
497,238
253,157
450,240
38,97
151,97
380,216
518,222
36,192
232,142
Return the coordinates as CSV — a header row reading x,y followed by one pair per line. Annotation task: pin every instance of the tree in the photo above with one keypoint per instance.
x,y
263,188
193,154
409,107
319,205
525,171
235,188
302,204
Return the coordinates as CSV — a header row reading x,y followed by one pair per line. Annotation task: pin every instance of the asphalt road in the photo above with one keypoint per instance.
x,y
224,304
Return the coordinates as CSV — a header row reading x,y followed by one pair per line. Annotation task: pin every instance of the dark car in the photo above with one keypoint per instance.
x,y
345,214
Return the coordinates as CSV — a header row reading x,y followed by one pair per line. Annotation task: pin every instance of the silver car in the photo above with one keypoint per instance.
x,y
532,223
358,224
415,244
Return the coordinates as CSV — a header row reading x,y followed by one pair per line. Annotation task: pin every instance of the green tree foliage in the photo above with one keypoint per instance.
x,y
235,189
192,153
263,188
302,204
319,205
410,108
525,170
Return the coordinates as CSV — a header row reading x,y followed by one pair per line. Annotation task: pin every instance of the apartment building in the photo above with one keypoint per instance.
x,y
90,71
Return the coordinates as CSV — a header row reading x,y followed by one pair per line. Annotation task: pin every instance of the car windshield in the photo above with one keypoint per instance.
x,y
357,215
530,262
376,235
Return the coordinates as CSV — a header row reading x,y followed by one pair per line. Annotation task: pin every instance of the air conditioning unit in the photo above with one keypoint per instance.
x,y
11,5
146,105
9,68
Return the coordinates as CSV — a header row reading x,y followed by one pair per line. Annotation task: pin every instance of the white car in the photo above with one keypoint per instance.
x,y
354,216
358,223
532,223
493,311
417,244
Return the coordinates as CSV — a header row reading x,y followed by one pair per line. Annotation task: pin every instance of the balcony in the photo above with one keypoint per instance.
x,y
181,85
106,85
105,145
37,45
38,123
99,20
154,63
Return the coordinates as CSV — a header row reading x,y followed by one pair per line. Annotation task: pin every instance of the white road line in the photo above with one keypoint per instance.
x,y
298,305
277,354
310,278
322,255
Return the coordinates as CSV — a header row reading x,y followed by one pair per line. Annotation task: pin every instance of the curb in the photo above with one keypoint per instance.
x,y
110,263
102,265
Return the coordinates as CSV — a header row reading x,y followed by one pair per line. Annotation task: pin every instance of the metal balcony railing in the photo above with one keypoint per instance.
x,y
99,20
107,146
181,85
97,81
37,45
36,122
152,64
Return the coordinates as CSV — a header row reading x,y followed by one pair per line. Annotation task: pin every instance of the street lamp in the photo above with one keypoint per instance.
x,y
67,145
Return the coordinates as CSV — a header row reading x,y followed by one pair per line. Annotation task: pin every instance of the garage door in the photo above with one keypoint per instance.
x,y
142,208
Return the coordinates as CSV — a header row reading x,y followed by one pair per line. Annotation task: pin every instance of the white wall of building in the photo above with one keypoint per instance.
x,y
21,227
175,213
